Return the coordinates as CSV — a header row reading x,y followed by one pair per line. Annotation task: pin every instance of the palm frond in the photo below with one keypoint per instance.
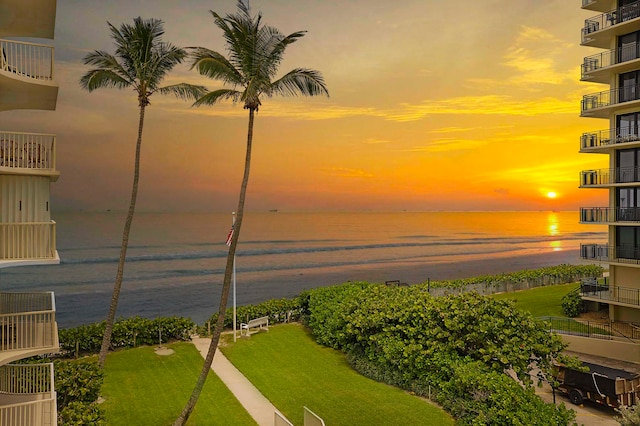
x,y
103,78
183,91
218,95
302,81
215,66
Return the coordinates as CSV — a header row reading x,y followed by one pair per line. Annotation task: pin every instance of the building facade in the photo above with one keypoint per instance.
x,y
27,233
615,30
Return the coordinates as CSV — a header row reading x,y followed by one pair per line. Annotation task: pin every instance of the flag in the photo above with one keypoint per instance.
x,y
229,237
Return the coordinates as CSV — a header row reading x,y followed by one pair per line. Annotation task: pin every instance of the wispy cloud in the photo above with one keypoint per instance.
x,y
448,145
348,173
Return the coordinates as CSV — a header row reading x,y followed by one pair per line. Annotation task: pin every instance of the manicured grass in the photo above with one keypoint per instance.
x,y
143,388
541,301
293,371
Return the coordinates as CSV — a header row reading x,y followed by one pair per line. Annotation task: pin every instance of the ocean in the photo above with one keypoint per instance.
x,y
175,261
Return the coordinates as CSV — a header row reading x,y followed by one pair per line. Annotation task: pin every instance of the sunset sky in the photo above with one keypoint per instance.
x,y
435,105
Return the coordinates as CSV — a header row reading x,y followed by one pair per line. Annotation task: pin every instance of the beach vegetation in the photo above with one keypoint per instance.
x,y
460,347
572,304
294,371
255,51
528,278
78,385
127,333
141,61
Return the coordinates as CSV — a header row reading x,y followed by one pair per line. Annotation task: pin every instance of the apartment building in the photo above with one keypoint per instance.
x,y
27,233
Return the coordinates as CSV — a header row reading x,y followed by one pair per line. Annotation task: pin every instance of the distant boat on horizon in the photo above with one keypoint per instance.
x,y
273,211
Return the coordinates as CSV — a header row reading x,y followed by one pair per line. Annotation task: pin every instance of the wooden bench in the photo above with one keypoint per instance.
x,y
254,323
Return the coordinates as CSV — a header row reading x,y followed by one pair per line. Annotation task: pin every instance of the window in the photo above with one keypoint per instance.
x,y
629,47
629,86
627,127
627,161
628,242
627,203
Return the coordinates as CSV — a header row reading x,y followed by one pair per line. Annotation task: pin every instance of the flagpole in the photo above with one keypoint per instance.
x,y
233,224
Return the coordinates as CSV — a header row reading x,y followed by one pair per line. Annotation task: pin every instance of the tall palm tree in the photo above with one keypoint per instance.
x,y
141,61
255,51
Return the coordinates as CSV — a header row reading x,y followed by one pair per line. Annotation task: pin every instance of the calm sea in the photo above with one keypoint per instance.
x,y
176,260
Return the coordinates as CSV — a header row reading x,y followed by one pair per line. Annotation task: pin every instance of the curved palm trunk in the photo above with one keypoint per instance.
x,y
226,285
106,339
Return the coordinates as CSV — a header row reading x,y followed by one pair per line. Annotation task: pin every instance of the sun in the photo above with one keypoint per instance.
x,y
551,195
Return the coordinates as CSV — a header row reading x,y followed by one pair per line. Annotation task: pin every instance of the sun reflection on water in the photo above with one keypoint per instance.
x,y
553,230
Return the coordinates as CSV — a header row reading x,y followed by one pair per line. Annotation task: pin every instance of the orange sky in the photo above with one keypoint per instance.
x,y
435,105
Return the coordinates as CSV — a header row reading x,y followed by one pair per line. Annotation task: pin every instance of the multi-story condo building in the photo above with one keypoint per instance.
x,y
27,233
615,30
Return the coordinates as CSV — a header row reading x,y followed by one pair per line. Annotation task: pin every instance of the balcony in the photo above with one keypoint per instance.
x,y
601,29
604,178
28,153
608,254
603,104
28,18
26,76
603,141
599,5
604,215
28,243
599,68
27,395
614,295
28,325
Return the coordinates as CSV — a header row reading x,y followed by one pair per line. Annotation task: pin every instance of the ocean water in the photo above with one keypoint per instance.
x,y
175,261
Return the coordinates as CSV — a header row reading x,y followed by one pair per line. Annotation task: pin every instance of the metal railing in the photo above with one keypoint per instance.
x,y
28,240
30,60
609,137
595,329
629,296
609,19
28,150
609,214
610,97
27,321
606,253
609,176
28,395
611,57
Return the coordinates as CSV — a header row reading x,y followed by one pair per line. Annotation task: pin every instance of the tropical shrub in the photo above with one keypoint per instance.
x,y
127,333
572,304
629,416
78,386
458,347
560,274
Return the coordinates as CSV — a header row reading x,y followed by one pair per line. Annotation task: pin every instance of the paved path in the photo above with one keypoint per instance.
x,y
251,399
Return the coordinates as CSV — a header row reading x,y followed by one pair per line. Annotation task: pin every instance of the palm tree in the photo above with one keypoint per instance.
x,y
141,61
255,51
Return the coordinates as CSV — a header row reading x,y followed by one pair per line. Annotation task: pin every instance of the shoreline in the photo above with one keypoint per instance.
x,y
199,301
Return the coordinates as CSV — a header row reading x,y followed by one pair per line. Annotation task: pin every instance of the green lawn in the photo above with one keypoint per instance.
x,y
143,388
293,371
541,301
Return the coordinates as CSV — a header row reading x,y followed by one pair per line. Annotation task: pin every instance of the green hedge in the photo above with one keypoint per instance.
x,y
77,389
127,333
278,310
457,346
560,274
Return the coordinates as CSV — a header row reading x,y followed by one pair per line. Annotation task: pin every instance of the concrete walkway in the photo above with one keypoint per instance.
x,y
251,399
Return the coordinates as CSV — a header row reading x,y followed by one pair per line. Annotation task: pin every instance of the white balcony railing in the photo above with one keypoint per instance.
x,y
28,321
27,394
28,150
28,60
28,240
